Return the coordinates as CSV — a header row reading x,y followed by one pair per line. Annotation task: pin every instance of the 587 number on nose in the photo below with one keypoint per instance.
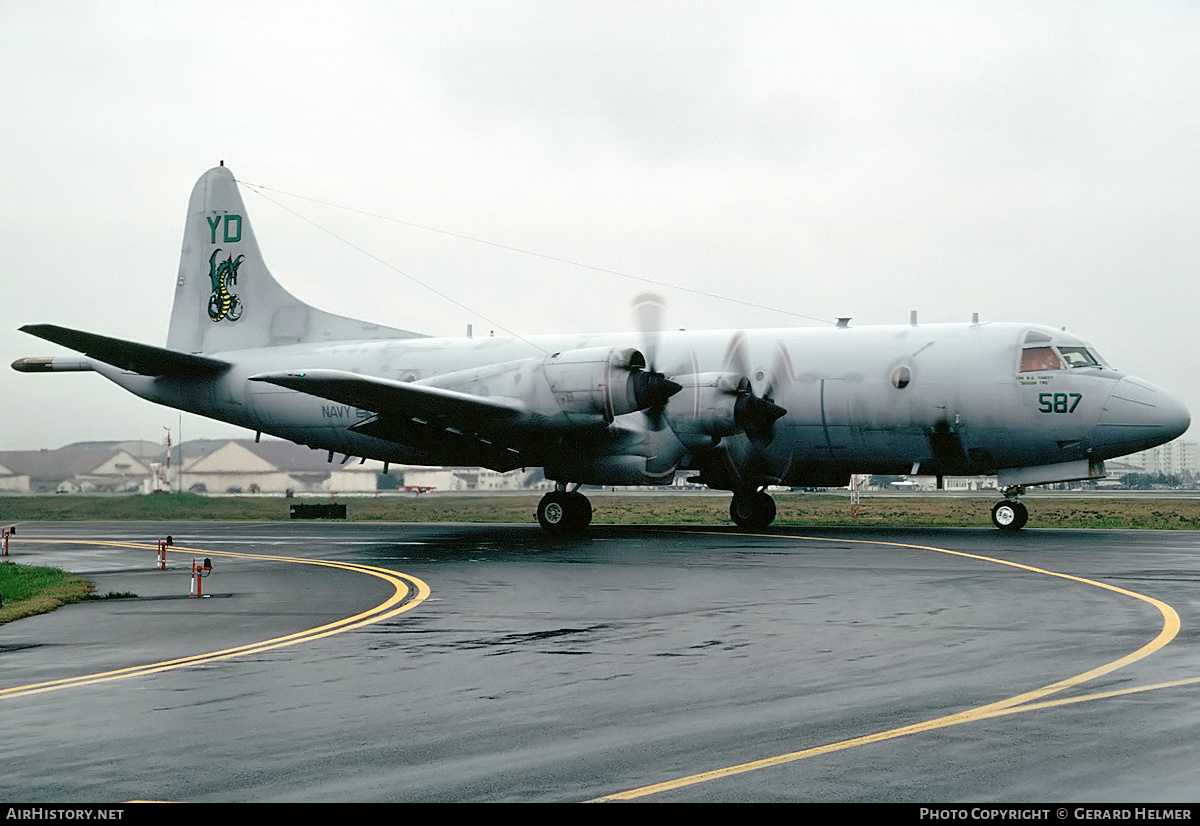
x,y
1058,402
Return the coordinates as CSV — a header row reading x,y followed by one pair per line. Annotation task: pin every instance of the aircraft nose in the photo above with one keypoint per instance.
x,y
1138,416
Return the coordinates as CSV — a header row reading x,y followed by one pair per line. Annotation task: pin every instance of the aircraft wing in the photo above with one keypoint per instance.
x,y
480,430
397,398
127,355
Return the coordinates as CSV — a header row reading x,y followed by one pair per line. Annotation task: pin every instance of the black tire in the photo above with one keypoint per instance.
x,y
752,511
582,507
564,514
1009,515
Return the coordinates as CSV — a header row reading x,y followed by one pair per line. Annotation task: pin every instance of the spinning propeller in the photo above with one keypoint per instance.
x,y
649,309
755,414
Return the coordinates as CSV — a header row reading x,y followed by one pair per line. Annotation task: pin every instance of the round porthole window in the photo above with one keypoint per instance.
x,y
901,377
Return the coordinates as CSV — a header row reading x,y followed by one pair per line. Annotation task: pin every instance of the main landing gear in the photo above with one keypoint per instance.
x,y
564,513
1011,514
752,510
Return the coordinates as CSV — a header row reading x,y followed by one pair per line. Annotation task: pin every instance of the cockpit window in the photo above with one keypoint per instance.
x,y
1078,357
1039,359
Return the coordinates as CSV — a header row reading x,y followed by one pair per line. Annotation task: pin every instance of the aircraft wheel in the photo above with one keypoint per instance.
x,y
752,511
563,514
554,512
1009,516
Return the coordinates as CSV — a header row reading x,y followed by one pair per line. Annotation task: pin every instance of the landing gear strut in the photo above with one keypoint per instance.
x,y
1011,514
752,511
563,513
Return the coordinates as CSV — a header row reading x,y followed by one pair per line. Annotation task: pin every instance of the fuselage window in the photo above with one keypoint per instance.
x,y
901,377
1078,357
1038,359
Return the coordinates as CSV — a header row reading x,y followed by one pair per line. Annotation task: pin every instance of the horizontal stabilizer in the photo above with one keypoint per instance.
x,y
398,398
128,355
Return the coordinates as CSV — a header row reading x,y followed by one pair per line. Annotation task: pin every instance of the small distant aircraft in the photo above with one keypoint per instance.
x,y
744,409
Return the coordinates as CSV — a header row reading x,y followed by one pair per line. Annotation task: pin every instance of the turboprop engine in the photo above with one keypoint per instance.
x,y
585,388
649,449
715,405
605,381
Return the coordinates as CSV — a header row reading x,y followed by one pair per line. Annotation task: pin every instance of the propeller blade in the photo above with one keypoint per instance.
x,y
756,413
736,359
649,310
782,376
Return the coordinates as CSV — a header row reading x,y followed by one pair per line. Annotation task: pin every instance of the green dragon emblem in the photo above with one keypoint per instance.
x,y
223,304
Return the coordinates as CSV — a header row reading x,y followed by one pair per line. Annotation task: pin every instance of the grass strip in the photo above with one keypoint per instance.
x,y
29,590
794,509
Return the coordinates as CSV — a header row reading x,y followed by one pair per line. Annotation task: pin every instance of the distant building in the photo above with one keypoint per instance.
x,y
474,479
13,482
246,466
84,467
1174,458
221,466
967,483
951,483
225,466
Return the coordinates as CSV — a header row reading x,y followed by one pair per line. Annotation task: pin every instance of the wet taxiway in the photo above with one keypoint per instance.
x,y
827,664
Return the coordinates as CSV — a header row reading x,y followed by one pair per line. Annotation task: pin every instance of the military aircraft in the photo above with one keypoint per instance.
x,y
744,409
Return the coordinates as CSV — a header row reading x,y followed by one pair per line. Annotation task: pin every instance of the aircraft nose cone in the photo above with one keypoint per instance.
x,y
1138,416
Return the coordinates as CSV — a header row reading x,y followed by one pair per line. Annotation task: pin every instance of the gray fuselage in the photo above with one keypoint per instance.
x,y
936,399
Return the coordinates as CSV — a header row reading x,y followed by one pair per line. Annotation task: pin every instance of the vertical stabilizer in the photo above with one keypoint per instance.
x,y
226,299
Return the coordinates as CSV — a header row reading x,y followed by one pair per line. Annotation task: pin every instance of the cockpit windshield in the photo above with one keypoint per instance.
x,y
1078,357
1039,354
1039,359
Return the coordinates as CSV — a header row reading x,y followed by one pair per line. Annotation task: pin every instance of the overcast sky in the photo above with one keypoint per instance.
x,y
1027,161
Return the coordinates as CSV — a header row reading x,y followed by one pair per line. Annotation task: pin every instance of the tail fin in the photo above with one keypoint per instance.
x,y
226,299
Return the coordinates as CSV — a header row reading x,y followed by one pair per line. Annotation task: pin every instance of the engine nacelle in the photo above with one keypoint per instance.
x,y
586,388
708,405
625,469
605,381
595,380
628,453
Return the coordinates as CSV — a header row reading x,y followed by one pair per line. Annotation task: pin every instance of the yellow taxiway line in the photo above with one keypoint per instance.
x,y
409,593
1020,703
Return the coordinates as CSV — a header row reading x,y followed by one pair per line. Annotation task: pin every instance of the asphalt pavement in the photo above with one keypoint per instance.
x,y
939,665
